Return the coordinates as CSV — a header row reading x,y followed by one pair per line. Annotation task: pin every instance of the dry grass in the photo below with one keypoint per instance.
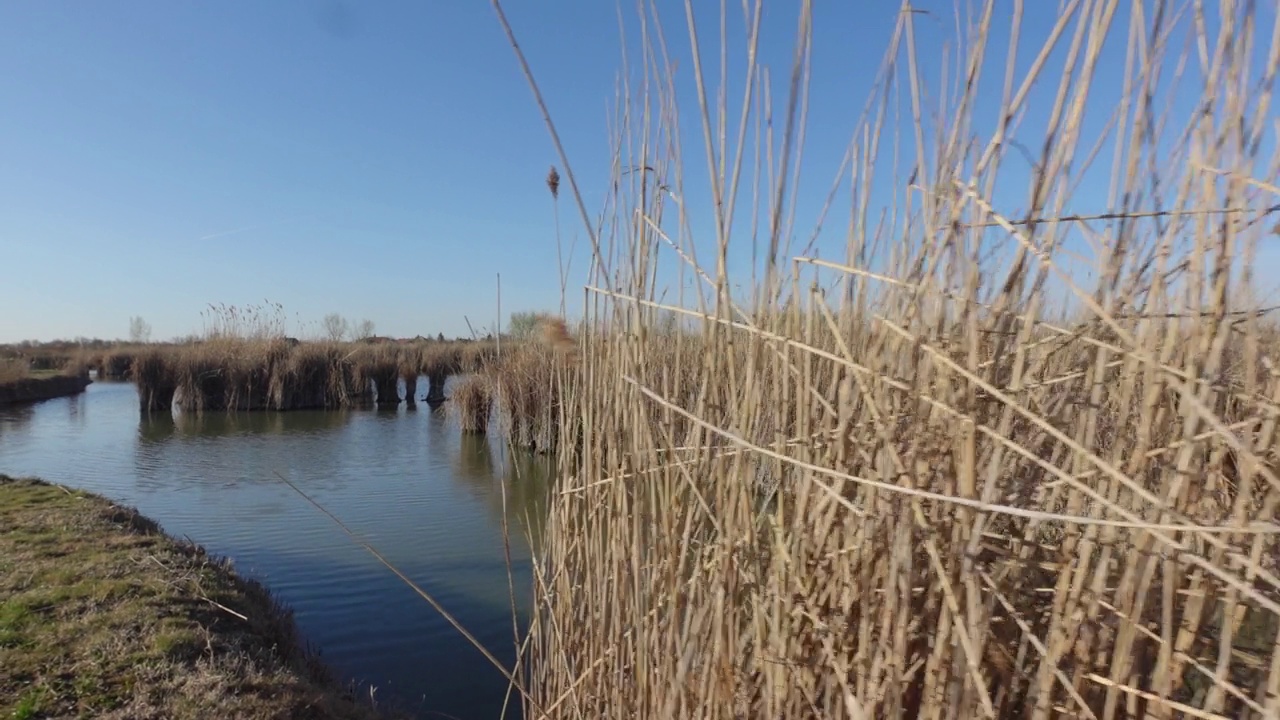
x,y
117,363
529,381
382,364
12,370
896,485
472,403
103,616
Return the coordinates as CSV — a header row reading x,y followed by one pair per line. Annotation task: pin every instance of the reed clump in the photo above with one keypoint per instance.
x,y
529,381
438,362
231,374
949,474
156,382
14,369
472,404
116,364
382,364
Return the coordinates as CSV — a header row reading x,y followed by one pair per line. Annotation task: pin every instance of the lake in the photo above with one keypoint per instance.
x,y
405,480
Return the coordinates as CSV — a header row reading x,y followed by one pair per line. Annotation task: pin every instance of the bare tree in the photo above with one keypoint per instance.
x,y
335,327
139,330
364,329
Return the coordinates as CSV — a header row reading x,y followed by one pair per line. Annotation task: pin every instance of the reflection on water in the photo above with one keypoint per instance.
x,y
523,480
255,423
432,501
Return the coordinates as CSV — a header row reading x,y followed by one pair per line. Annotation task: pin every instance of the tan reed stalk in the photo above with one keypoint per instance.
x,y
471,402
898,484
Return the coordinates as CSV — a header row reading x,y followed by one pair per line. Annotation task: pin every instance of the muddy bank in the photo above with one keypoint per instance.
x,y
42,388
103,615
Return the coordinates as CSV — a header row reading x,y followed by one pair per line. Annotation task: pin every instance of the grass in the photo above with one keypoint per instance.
x,y
103,616
936,470
13,370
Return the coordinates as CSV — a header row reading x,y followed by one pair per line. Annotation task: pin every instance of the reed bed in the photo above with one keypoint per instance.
x,y
381,364
115,364
472,404
947,474
227,373
156,380
528,382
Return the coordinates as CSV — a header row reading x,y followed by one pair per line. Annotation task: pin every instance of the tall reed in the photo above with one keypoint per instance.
x,y
228,373
156,381
472,404
893,481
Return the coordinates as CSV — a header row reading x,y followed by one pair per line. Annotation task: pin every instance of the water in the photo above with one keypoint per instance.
x,y
404,480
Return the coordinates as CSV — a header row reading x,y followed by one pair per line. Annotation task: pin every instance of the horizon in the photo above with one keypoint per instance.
x,y
383,162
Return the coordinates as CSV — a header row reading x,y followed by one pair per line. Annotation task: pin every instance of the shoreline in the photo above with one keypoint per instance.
x,y
102,614
35,389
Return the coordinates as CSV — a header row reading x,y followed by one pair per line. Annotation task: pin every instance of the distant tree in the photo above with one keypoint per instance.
x,y
139,330
523,324
335,327
364,329
439,337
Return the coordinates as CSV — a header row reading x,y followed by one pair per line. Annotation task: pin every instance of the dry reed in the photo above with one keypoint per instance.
x,y
13,370
894,485
472,403
228,373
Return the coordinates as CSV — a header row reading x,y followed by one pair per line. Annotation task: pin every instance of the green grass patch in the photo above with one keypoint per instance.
x,y
105,616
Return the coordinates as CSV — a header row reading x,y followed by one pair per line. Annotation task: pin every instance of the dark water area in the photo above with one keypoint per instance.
x,y
405,480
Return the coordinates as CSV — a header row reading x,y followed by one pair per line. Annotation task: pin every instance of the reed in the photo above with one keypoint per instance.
x,y
13,370
310,378
156,381
232,374
116,363
900,483
381,364
472,404
410,369
439,361
528,382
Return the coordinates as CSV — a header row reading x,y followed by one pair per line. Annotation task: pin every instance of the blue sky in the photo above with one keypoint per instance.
x,y
380,160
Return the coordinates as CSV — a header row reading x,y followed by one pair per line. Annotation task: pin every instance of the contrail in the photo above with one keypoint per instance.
x,y
252,227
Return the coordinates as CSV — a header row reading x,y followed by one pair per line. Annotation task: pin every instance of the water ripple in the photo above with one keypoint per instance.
x,y
403,480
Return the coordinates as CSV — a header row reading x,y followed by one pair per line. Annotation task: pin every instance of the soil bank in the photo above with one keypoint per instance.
x,y
42,388
102,615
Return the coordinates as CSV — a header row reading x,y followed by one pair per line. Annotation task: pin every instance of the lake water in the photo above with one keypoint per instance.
x,y
404,480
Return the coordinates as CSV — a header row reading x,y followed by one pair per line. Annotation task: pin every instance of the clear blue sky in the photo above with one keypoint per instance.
x,y
381,160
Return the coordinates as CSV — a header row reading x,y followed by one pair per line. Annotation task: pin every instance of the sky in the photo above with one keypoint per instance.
x,y
378,160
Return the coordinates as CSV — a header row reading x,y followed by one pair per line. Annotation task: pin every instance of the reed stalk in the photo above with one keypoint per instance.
x,y
940,471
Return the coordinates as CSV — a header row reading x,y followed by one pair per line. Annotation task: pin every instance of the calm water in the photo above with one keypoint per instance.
x,y
405,480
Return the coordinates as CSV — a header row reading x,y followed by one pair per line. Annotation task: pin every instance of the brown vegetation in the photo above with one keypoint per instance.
x,y
897,484
472,403
228,373
12,370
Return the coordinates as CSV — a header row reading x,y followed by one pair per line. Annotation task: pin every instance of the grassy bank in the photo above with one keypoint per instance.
x,y
20,384
103,616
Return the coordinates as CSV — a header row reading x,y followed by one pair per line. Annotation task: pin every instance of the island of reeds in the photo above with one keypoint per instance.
x,y
254,373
